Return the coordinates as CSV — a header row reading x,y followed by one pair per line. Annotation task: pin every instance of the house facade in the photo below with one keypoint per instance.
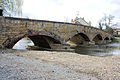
x,y
80,21
116,31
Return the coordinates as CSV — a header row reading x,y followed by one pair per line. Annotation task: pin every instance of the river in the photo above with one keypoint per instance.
x,y
93,50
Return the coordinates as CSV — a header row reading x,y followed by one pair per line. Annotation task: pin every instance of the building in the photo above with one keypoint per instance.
x,y
116,31
80,21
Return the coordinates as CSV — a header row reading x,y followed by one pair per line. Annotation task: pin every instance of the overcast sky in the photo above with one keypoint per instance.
x,y
65,10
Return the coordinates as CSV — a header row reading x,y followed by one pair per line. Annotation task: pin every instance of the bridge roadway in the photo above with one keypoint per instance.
x,y
49,34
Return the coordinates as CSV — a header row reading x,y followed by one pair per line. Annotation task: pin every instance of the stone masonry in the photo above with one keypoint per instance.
x,y
48,33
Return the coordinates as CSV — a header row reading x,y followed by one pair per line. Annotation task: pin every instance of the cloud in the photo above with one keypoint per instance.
x,y
59,10
115,2
57,2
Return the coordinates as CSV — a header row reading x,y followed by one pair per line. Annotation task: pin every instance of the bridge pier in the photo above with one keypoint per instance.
x,y
92,42
60,46
86,43
110,41
107,41
99,42
56,46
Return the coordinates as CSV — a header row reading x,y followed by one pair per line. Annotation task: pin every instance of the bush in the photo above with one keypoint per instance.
x,y
2,47
116,40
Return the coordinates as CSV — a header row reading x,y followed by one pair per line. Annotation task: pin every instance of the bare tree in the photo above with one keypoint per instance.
x,y
100,25
107,22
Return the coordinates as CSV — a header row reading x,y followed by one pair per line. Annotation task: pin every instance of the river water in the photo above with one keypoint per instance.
x,y
93,50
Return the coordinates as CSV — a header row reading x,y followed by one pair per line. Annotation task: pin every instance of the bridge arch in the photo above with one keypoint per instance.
x,y
112,38
97,39
106,38
79,38
40,39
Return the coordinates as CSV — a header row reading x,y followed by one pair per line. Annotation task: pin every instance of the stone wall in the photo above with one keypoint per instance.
x,y
13,29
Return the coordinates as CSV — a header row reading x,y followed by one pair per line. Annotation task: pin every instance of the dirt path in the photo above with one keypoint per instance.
x,y
44,65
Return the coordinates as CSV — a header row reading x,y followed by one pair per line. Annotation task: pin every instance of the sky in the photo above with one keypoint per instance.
x,y
65,10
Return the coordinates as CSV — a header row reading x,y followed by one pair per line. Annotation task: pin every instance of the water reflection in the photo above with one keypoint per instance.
x,y
93,50
99,50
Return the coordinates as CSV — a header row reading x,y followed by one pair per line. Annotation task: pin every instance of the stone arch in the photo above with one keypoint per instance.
x,y
36,37
97,39
111,38
79,38
106,38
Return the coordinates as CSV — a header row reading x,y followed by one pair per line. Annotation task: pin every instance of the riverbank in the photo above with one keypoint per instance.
x,y
48,65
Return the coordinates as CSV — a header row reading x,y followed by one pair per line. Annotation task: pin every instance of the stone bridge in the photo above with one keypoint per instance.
x,y
49,34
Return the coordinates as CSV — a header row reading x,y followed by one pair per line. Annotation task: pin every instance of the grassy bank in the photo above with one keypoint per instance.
x,y
117,40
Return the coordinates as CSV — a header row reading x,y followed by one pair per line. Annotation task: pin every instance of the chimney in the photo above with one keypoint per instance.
x,y
1,12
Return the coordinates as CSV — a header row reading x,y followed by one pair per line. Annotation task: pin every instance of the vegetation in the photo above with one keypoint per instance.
x,y
100,26
2,47
107,22
116,40
11,7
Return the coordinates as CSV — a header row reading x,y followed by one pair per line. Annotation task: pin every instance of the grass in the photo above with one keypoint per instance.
x,y
116,40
